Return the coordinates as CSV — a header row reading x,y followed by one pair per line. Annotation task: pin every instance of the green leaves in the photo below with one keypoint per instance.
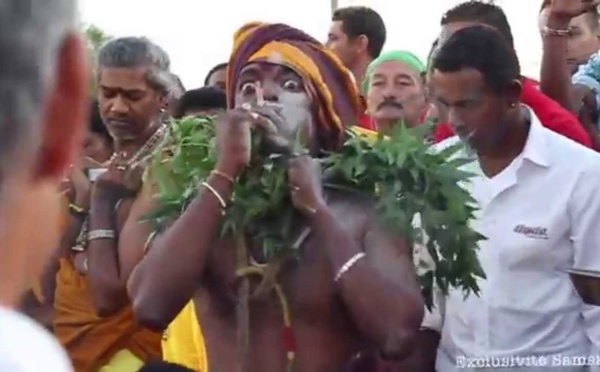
x,y
414,183
262,204
418,195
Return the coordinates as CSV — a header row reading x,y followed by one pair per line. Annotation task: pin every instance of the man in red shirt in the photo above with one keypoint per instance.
x,y
551,114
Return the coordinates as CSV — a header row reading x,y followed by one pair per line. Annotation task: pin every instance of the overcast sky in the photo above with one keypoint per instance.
x,y
198,34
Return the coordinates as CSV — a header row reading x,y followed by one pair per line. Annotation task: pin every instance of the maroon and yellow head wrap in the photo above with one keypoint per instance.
x,y
328,82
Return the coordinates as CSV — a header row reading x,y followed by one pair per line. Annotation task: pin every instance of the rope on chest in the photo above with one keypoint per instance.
x,y
268,274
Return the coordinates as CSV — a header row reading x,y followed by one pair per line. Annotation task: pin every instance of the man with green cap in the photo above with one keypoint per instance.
x,y
395,89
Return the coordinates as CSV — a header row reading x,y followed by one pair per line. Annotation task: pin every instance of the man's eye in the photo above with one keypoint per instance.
x,y
292,85
248,88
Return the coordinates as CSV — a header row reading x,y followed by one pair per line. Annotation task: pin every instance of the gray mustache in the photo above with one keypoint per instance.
x,y
394,104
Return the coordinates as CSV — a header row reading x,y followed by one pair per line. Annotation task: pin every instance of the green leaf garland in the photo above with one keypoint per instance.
x,y
407,180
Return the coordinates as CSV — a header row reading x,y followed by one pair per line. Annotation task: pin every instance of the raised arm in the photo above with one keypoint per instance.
x,y
555,76
555,79
172,270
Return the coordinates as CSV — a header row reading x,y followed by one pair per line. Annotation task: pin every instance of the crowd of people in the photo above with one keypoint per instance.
x,y
88,284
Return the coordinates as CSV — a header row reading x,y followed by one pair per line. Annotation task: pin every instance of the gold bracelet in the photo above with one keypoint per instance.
x,y
216,194
223,175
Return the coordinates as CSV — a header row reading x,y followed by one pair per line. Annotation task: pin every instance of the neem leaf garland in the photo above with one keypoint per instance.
x,y
417,192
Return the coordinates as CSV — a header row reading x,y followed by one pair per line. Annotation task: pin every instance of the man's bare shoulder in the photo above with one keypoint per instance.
x,y
353,210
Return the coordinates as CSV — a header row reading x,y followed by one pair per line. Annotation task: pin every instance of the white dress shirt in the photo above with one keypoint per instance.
x,y
541,217
25,346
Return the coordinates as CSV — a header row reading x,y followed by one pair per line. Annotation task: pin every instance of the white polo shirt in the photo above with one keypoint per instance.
x,y
541,216
25,346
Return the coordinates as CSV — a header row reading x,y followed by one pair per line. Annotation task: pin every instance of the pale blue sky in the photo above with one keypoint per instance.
x,y
198,34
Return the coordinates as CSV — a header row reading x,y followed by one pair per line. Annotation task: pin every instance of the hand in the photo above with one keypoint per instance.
x,y
304,176
569,9
234,141
77,185
118,182
269,120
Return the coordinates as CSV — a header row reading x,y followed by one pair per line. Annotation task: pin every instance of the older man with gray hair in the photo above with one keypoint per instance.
x,y
93,319
43,110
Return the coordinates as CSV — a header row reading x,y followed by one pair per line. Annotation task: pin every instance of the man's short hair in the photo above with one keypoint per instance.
x,y
31,35
205,98
132,52
593,16
361,20
220,66
483,49
481,12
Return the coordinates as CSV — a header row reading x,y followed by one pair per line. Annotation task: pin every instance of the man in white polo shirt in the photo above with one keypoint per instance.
x,y
43,110
539,199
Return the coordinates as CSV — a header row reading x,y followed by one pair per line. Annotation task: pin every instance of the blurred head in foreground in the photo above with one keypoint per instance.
x,y
43,115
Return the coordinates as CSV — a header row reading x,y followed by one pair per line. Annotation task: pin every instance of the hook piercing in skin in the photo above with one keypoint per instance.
x,y
260,98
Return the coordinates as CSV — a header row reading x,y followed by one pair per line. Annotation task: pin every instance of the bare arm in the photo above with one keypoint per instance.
x,y
555,79
67,241
179,255
381,291
110,261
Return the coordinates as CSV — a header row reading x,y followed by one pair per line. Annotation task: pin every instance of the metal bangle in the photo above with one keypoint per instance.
x,y
101,234
215,193
547,31
348,265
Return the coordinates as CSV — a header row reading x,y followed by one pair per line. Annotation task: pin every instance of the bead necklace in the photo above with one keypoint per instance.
x,y
155,142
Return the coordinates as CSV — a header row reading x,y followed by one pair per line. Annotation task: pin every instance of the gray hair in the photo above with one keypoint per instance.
x,y
31,35
139,52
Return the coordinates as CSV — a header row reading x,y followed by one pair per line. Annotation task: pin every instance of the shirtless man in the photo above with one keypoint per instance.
x,y
353,287
94,319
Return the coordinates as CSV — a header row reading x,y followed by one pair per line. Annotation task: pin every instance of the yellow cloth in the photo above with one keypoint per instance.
x,y
183,342
123,361
91,341
368,134
331,86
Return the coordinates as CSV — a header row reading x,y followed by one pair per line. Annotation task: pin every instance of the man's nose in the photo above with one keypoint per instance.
x,y
119,106
270,92
390,95
454,117
388,92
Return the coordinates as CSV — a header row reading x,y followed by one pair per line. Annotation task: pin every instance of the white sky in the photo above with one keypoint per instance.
x,y
198,34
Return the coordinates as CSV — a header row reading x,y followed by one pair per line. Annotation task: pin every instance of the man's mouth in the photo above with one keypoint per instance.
x,y
118,123
390,105
463,132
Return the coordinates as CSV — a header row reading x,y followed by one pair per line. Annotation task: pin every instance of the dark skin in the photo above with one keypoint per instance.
x,y
376,303
558,61
131,110
491,122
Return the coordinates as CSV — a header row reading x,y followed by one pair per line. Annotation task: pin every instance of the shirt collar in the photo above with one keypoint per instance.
x,y
536,147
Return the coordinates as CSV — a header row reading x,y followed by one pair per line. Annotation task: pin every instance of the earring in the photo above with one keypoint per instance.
x,y
513,105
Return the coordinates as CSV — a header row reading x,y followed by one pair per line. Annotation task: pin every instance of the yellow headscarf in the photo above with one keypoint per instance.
x,y
329,83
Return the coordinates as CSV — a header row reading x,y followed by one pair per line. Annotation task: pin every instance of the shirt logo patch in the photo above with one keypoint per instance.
x,y
536,232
